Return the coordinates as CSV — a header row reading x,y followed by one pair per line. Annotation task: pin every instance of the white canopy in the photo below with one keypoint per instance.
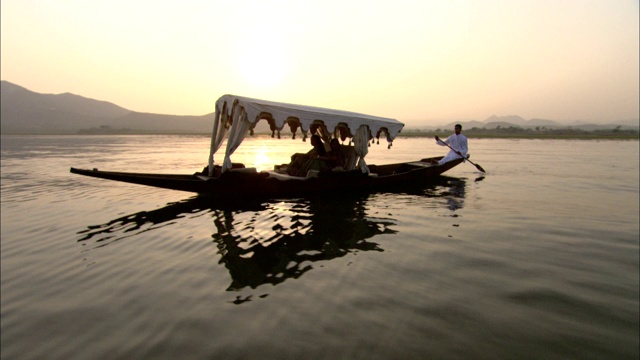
x,y
237,116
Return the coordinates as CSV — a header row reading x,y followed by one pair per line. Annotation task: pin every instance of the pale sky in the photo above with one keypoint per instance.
x,y
416,61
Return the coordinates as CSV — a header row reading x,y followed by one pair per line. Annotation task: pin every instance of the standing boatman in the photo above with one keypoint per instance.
x,y
458,144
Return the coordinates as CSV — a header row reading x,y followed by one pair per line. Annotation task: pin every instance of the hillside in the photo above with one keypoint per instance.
x,y
26,112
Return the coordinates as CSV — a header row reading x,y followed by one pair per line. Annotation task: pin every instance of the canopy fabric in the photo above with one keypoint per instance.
x,y
361,146
238,115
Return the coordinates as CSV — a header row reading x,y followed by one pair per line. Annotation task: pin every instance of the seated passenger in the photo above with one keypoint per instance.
x,y
334,159
301,163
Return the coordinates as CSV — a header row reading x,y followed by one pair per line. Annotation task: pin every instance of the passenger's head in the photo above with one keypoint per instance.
x,y
335,144
316,140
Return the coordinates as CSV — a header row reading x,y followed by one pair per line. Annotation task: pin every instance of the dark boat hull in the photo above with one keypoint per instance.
x,y
259,184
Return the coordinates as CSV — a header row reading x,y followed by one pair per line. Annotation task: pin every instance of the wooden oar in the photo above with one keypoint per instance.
x,y
459,153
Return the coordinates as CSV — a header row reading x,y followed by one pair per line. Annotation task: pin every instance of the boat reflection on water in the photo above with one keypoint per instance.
x,y
270,242
284,241
455,194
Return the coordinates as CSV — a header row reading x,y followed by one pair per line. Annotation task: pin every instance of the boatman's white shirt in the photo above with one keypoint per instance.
x,y
459,143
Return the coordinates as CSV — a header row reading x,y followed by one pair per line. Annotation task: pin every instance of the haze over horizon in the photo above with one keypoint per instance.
x,y
417,61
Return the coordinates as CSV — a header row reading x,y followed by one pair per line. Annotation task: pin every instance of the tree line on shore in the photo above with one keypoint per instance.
x,y
617,132
539,132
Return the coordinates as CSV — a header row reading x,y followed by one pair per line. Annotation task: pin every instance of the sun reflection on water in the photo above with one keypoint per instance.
x,y
262,160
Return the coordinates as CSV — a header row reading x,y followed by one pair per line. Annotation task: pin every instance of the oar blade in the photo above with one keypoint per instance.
x,y
479,168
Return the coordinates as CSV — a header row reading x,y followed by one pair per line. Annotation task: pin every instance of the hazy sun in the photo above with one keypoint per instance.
x,y
262,159
263,61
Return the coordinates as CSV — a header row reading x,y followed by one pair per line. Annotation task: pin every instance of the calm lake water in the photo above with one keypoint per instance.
x,y
536,259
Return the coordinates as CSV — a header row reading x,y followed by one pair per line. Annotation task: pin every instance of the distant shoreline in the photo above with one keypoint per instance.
x,y
589,135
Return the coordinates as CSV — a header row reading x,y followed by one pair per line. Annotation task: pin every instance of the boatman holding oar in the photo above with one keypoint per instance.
x,y
457,143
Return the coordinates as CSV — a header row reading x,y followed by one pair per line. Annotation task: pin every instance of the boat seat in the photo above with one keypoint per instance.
x,y
281,176
422,164
249,170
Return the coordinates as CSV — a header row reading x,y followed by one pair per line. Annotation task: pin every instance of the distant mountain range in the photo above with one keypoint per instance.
x,y
495,121
26,112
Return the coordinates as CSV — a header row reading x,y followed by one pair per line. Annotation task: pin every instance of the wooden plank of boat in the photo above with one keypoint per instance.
x,y
182,182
